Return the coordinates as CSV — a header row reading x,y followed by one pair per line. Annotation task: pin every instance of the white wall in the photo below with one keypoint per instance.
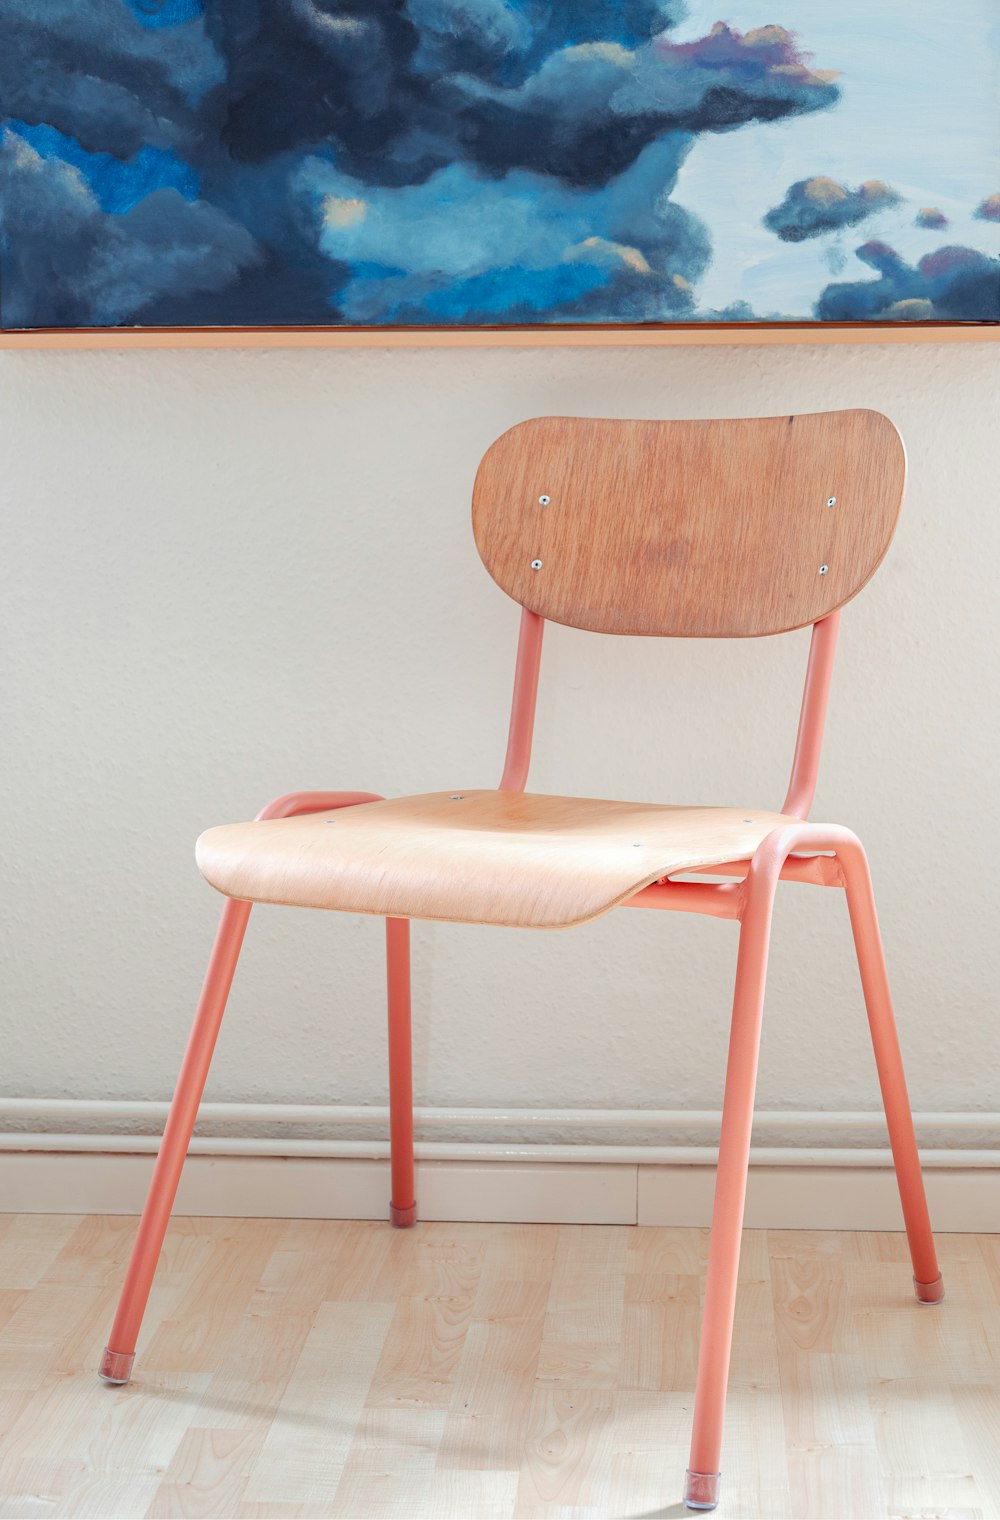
x,y
228,575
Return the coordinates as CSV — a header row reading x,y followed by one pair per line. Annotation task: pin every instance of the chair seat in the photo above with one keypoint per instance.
x,y
485,857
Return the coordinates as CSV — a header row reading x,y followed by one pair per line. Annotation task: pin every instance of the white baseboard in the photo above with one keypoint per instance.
x,y
815,1170
778,1197
964,1200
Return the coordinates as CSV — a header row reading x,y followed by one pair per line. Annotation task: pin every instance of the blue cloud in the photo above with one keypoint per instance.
x,y
517,244
155,14
951,284
67,262
118,184
812,207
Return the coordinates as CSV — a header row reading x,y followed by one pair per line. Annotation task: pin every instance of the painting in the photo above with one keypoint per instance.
x,y
497,163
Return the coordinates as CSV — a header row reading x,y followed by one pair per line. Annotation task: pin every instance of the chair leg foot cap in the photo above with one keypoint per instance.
x,y
702,1490
116,1367
402,1218
929,1293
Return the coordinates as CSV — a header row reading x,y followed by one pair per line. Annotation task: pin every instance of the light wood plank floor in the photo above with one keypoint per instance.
x,y
486,1372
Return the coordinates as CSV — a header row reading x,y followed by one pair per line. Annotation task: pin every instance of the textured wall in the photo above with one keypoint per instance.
x,y
228,575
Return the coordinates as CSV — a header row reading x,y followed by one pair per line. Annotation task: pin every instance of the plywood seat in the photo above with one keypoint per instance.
x,y
488,857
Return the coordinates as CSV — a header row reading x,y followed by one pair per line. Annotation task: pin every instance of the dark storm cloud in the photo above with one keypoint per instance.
x,y
951,284
571,118
299,73
589,110
67,263
474,36
294,281
572,91
90,69
554,26
504,43
812,207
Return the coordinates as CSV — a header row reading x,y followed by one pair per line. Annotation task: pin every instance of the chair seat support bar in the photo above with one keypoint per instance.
x,y
725,899
818,870
719,899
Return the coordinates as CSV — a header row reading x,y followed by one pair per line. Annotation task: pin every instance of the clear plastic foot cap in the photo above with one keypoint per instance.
x,y
402,1218
929,1293
702,1491
116,1366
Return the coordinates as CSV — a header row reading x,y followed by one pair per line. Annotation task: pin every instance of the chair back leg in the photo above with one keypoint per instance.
x,y
702,1489
402,1201
119,1354
875,983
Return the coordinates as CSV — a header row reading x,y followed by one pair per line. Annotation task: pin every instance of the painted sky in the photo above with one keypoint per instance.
x,y
919,109
497,161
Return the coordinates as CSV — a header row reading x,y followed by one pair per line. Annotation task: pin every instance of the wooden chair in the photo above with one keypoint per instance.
x,y
720,529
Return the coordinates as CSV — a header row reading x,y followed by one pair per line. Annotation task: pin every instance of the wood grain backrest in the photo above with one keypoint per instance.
x,y
718,529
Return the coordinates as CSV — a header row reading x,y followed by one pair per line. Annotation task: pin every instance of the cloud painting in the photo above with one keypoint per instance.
x,y
498,162
814,206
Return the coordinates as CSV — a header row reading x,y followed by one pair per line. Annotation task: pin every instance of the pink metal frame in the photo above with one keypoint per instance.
x,y
797,851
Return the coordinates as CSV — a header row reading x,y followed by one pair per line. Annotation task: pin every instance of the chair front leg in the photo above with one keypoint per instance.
x,y
875,983
702,1490
119,1354
402,1201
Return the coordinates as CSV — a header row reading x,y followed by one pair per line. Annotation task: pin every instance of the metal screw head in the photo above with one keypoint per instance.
x,y
536,564
824,569
543,501
831,501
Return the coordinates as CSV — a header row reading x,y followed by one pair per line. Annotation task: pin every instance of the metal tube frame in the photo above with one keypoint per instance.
x,y
795,851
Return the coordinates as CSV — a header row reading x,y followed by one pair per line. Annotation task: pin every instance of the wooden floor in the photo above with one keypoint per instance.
x,y
481,1372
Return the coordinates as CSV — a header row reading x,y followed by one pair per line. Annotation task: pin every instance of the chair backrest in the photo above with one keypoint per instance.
x,y
723,529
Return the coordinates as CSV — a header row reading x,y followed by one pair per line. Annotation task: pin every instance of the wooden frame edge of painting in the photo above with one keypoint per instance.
x,y
704,334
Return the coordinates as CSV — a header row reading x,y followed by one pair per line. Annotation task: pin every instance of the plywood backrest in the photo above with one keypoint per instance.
x,y
694,529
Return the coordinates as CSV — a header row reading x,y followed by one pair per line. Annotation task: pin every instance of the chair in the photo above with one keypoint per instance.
x,y
709,529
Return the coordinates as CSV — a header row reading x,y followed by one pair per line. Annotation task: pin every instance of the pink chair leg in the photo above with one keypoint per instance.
x,y
737,1117
702,1490
119,1354
875,982
402,1203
